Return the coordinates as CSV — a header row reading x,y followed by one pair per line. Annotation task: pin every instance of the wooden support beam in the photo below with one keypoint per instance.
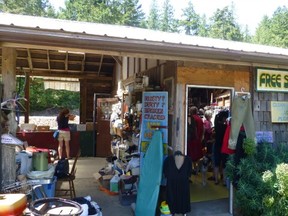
x,y
30,63
66,61
99,69
9,72
83,63
27,96
48,60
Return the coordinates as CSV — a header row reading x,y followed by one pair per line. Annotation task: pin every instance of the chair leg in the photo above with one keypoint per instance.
x,y
70,189
73,189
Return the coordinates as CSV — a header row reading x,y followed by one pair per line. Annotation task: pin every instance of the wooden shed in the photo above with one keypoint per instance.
x,y
102,56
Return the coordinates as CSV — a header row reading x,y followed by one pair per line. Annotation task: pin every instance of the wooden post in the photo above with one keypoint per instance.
x,y
27,96
8,72
8,164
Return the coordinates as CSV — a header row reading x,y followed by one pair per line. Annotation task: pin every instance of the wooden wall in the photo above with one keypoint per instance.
x,y
189,73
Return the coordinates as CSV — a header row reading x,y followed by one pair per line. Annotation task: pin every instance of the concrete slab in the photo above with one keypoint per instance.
x,y
86,184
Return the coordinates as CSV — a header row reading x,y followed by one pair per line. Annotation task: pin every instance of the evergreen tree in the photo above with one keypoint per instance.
x,y
273,31
167,22
32,7
131,13
191,20
124,12
224,26
153,17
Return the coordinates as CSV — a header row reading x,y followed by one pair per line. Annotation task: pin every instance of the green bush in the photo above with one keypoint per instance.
x,y
261,180
42,99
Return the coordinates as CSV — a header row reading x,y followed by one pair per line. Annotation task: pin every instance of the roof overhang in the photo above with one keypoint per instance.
x,y
188,49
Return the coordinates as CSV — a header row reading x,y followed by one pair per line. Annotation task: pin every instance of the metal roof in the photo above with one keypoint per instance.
x,y
144,41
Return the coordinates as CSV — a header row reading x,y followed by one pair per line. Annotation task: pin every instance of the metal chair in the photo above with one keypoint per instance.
x,y
64,192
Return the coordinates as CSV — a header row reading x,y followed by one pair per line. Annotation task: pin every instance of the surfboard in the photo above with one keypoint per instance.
x,y
150,177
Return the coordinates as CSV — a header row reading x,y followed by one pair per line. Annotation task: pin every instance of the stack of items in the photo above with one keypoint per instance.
x,y
120,177
36,165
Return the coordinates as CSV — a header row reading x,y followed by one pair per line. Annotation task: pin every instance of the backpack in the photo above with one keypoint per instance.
x,y
62,168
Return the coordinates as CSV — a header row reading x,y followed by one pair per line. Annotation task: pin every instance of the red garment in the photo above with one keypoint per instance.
x,y
224,148
208,130
194,144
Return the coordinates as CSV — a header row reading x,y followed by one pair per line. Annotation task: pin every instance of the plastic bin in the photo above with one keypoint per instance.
x,y
49,189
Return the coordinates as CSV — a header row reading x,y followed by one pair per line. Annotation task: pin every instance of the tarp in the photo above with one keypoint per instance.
x,y
150,177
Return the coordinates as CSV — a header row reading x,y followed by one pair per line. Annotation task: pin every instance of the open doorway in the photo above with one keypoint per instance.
x,y
210,162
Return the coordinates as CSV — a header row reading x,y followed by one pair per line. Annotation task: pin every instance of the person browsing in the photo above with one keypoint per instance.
x,y
64,132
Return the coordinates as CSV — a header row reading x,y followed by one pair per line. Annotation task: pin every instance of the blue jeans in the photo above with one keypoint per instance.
x,y
241,114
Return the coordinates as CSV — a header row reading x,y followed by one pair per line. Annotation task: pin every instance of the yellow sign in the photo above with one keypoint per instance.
x,y
272,80
279,112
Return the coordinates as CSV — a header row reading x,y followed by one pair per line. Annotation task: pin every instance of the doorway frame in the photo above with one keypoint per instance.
x,y
232,89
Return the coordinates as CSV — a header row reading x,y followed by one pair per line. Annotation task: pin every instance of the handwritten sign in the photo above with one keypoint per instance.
x,y
154,115
279,111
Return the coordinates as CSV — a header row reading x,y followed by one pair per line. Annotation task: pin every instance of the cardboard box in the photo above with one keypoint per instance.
x,y
43,128
89,126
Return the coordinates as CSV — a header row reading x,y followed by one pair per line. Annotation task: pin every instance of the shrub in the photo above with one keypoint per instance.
x,y
260,180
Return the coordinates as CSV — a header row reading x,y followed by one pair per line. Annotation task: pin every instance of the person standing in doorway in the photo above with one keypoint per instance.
x,y
64,132
195,137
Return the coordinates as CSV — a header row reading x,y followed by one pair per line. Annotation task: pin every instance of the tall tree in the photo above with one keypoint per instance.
x,y
131,13
167,21
224,26
25,7
203,27
190,21
124,12
153,17
273,31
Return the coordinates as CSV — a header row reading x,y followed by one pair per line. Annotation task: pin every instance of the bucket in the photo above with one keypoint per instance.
x,y
40,161
55,207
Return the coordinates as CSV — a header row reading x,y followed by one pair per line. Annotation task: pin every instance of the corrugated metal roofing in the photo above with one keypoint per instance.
x,y
126,32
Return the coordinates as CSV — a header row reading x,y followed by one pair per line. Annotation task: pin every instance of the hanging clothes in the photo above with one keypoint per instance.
x,y
225,149
241,114
220,125
178,186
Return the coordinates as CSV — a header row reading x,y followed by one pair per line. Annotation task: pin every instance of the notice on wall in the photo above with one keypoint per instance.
x,y
279,111
264,136
154,116
272,80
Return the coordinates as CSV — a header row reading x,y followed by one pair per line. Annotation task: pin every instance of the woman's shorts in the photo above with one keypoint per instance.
x,y
64,135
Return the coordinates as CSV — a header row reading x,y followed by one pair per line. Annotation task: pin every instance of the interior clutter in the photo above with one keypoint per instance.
x,y
38,170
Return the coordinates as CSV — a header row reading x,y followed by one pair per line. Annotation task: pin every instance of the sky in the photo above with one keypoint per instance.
x,y
247,12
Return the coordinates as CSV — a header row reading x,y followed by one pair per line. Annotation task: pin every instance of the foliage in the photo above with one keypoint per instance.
x,y
124,12
167,21
31,7
49,98
261,180
224,26
191,20
152,22
273,31
249,146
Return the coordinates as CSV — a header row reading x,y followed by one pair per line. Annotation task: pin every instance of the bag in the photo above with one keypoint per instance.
x,y
62,168
56,134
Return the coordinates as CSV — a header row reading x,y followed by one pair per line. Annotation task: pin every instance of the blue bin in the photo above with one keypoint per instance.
x,y
49,190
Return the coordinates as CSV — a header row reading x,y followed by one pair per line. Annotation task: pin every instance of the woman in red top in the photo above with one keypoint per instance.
x,y
195,136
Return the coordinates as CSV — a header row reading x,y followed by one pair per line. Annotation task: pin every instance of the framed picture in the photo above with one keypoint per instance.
x,y
169,87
